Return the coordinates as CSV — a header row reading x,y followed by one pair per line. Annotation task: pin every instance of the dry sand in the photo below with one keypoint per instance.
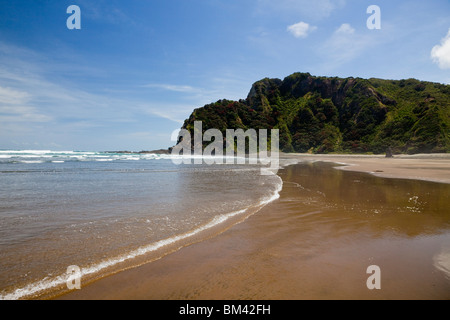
x,y
291,250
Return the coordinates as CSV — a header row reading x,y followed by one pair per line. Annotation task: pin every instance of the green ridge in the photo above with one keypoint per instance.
x,y
337,115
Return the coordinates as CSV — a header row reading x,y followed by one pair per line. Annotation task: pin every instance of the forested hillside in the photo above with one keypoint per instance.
x,y
331,115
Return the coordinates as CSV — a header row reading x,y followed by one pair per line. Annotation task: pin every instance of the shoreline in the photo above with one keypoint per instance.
x,y
210,268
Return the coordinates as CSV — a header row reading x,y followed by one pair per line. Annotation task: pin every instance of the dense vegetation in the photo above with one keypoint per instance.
x,y
326,115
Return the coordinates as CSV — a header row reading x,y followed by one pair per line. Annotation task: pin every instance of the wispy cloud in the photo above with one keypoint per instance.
x,y
318,9
301,29
345,28
344,45
15,107
10,96
173,112
229,86
37,107
440,54
26,90
171,87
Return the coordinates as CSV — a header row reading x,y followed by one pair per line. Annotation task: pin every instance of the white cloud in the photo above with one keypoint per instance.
x,y
440,54
11,96
26,117
301,29
171,87
345,28
15,107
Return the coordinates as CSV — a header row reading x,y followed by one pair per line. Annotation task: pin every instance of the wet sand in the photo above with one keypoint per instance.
x,y
316,241
426,167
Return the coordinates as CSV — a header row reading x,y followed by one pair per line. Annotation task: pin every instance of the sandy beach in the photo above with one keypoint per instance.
x,y
317,240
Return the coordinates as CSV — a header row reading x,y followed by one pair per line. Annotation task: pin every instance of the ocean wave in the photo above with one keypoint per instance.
x,y
31,161
19,155
25,151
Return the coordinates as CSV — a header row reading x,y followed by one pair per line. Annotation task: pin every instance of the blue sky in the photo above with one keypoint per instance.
x,y
136,69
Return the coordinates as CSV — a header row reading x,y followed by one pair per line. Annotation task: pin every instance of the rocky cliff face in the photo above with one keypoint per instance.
x,y
321,115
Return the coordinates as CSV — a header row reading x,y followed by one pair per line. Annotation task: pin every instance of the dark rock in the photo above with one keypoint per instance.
x,y
389,153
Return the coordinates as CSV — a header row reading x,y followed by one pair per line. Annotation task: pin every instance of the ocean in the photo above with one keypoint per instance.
x,y
107,212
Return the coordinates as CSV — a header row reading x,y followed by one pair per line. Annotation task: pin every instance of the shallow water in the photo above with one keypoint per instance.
x,y
338,223
315,242
97,210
